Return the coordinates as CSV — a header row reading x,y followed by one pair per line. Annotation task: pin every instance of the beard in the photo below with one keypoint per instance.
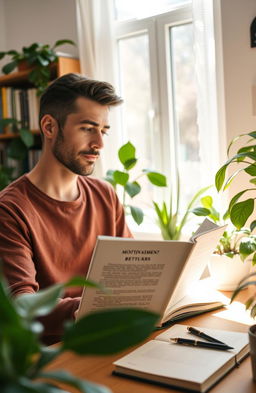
x,y
70,159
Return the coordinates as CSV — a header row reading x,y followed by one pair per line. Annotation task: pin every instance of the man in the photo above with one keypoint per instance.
x,y
50,218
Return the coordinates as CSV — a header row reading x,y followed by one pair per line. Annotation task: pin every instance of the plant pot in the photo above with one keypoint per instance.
x,y
252,342
227,272
23,65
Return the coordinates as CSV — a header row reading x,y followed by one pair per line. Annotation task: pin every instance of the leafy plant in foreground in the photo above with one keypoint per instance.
x,y
23,358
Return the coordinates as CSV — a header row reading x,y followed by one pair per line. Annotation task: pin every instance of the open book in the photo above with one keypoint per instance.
x,y
154,275
182,366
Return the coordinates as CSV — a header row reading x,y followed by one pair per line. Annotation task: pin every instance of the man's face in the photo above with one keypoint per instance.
x,y
77,146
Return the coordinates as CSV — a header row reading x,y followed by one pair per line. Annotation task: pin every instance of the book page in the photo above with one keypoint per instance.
x,y
201,296
205,226
201,251
138,273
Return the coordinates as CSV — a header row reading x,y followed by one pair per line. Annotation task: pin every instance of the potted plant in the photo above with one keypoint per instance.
x,y
130,187
169,218
245,162
38,57
246,283
17,150
23,358
233,256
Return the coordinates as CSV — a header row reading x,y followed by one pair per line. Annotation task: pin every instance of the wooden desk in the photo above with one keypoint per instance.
x,y
99,369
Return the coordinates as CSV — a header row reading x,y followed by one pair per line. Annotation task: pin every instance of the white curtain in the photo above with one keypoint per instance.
x,y
204,38
95,24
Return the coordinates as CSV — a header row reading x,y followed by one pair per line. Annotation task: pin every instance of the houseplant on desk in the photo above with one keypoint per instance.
x,y
231,260
23,358
241,206
170,219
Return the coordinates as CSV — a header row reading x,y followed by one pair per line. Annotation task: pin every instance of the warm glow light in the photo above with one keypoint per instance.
x,y
236,312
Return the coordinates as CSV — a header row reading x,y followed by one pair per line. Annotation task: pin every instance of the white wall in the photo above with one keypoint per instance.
x,y
2,30
236,70
45,21
239,61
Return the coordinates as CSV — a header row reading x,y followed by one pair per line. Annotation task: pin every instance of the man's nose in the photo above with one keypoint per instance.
x,y
97,141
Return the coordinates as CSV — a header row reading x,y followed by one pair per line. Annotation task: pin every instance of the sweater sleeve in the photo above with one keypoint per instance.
x,y
20,271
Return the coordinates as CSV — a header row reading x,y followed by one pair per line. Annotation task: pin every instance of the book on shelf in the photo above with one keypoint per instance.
x,y
154,275
182,366
20,104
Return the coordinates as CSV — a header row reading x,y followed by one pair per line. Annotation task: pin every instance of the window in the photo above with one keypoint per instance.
x,y
157,81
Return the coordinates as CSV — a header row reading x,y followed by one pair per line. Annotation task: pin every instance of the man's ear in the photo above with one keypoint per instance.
x,y
49,126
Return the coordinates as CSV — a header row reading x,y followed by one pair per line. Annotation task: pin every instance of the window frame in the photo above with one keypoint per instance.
x,y
162,120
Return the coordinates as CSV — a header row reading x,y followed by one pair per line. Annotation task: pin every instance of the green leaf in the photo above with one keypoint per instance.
x,y
253,225
32,47
17,149
7,121
121,177
251,170
9,67
253,181
62,42
68,379
78,281
137,214
2,54
207,201
8,312
109,331
27,137
20,344
110,177
129,164
240,288
126,153
25,385
132,189
220,177
240,212
47,354
254,259
235,199
201,211
44,62
32,305
247,246
156,178
253,134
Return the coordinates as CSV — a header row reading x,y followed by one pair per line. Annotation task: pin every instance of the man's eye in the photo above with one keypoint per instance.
x,y
104,133
88,129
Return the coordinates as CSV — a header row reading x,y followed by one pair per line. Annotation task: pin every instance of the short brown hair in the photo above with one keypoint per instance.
x,y
58,100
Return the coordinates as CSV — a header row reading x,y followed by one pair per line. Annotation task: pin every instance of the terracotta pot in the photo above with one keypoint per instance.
x,y
228,272
23,65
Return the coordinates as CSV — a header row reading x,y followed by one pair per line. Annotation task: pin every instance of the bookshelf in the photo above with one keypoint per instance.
x,y
18,81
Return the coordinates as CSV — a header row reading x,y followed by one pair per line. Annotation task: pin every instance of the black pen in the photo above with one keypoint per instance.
x,y
198,333
202,344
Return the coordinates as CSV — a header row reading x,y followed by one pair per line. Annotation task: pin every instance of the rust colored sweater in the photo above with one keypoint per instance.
x,y
44,241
